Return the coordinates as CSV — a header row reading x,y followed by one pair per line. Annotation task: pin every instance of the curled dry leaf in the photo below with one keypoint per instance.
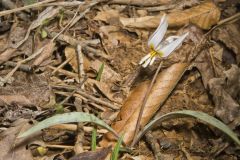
x,y
141,2
12,148
46,53
70,53
204,16
225,91
127,118
229,35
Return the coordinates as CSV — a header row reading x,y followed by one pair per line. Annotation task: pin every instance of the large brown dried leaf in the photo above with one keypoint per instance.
x,y
204,16
127,118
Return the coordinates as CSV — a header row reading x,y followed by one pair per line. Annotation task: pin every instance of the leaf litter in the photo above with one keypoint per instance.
x,y
52,54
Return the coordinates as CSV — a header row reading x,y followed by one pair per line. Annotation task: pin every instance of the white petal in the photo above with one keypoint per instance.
x,y
145,58
157,36
153,59
171,38
146,63
168,49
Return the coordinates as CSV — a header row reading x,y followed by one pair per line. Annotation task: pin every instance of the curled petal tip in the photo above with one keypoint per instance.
x,y
156,38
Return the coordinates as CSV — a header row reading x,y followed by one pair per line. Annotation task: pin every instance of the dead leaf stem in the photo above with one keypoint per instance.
x,y
144,102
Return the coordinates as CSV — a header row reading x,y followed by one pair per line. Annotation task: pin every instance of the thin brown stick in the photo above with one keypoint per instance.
x,y
144,103
38,4
71,21
97,100
38,52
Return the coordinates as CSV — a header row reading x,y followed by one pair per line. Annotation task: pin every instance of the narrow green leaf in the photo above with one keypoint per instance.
x,y
43,34
59,108
100,71
194,114
67,118
94,139
28,2
117,148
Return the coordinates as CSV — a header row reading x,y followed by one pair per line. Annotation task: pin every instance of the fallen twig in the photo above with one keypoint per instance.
x,y
38,4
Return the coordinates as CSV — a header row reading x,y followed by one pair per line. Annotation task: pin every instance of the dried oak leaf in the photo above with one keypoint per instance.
x,y
204,16
229,35
127,118
33,89
225,91
10,147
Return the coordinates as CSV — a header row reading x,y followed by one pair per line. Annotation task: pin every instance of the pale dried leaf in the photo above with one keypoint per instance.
x,y
204,16
46,53
106,16
108,74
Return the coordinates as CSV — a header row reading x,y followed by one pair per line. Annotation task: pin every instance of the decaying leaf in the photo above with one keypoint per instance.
x,y
225,91
94,155
229,35
127,118
107,16
10,147
106,90
204,16
108,74
70,53
46,53
27,90
14,99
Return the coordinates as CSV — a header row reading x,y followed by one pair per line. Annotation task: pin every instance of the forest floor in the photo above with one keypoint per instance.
x,y
70,70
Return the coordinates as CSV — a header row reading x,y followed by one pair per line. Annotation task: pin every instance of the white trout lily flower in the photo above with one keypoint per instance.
x,y
157,47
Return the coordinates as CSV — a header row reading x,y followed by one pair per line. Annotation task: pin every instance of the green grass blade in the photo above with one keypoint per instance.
x,y
94,139
117,148
194,114
67,118
100,71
